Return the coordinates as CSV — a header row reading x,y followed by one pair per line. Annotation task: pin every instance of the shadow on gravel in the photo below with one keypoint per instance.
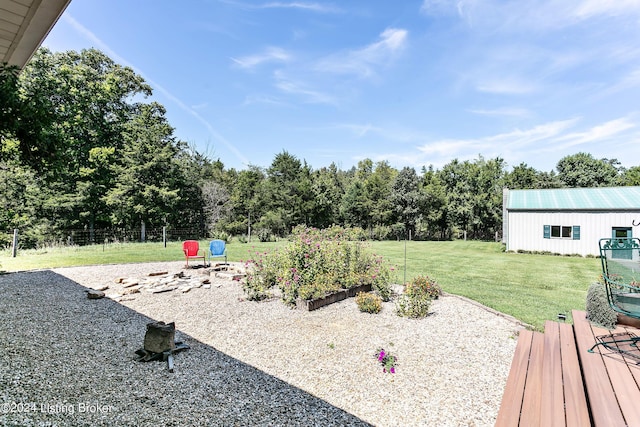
x,y
66,360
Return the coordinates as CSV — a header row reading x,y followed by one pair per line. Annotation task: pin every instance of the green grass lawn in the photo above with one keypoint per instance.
x,y
532,288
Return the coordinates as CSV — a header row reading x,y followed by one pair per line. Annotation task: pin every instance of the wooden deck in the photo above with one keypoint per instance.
x,y
555,381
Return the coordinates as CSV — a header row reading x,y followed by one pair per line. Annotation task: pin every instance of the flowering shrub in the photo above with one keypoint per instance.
x,y
368,302
262,275
387,361
417,297
314,264
423,285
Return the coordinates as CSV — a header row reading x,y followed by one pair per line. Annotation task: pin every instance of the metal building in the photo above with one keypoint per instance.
x,y
569,220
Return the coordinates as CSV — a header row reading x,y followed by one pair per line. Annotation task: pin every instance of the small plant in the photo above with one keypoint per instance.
x,y
369,302
388,361
331,345
598,309
313,265
417,297
424,285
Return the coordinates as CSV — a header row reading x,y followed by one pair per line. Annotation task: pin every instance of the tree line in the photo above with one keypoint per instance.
x,y
81,149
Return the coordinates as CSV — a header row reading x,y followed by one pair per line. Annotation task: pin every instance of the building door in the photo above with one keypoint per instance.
x,y
621,234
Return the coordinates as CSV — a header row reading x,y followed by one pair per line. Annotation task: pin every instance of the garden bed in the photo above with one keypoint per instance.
x,y
316,303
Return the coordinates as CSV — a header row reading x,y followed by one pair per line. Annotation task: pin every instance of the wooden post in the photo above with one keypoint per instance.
x,y
14,248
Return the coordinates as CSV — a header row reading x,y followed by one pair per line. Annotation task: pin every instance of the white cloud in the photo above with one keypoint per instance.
x,y
590,8
305,6
272,54
554,137
360,130
313,7
519,16
263,99
361,62
516,137
447,7
200,106
629,81
507,86
503,112
600,133
296,88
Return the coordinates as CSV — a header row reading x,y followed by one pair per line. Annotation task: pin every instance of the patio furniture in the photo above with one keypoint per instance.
x,y
217,249
191,249
620,258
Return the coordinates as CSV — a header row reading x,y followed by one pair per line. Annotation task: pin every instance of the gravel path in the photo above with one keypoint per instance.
x,y
67,360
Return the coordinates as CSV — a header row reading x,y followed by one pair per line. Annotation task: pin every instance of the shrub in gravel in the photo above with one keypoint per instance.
x,y
598,309
417,297
423,285
316,263
368,302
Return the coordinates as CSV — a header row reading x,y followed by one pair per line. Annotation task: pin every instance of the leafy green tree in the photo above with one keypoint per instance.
x,y
82,99
379,189
247,207
328,190
287,192
75,105
407,199
522,177
457,179
549,180
144,188
583,170
18,196
488,197
435,213
631,176
10,104
474,192
94,180
354,206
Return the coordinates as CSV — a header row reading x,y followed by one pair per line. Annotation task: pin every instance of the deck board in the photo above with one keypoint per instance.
x,y
605,410
576,409
552,413
509,413
555,381
626,390
532,400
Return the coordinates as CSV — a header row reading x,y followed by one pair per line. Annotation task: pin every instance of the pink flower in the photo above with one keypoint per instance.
x,y
393,370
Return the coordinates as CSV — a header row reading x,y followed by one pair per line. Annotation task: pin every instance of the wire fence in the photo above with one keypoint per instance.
x,y
84,237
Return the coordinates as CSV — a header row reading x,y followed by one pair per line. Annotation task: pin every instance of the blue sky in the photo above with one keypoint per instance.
x,y
411,82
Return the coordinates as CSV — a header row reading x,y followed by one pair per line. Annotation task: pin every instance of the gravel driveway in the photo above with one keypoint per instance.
x,y
66,360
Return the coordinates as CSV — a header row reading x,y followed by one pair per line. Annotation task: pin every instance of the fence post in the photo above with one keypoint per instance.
x,y
142,231
14,249
164,235
404,279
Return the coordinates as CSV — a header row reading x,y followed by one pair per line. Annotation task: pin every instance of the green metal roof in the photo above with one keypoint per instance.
x,y
599,198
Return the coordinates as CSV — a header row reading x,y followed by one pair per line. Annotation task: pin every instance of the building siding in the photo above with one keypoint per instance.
x,y
524,230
